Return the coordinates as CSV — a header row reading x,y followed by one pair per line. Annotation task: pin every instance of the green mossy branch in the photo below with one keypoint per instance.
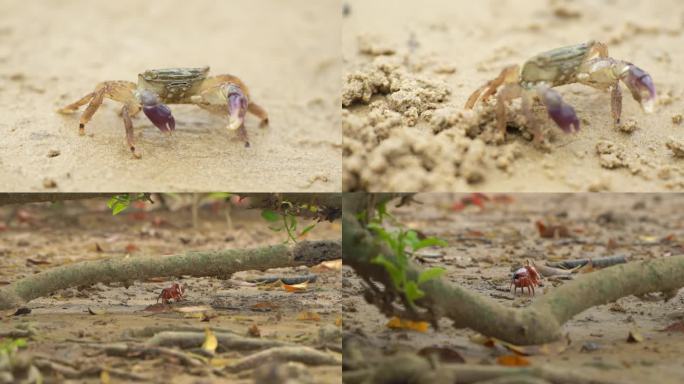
x,y
128,269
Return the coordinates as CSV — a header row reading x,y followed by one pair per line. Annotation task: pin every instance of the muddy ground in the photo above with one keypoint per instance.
x,y
38,237
52,53
410,66
485,243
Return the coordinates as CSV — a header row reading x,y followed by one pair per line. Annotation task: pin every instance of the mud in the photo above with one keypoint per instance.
x,y
287,52
40,236
486,245
407,78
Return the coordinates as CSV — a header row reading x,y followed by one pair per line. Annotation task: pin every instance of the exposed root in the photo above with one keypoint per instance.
x,y
226,341
306,355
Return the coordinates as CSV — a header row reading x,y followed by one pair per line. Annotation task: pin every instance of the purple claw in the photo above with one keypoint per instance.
x,y
237,107
158,113
641,85
562,113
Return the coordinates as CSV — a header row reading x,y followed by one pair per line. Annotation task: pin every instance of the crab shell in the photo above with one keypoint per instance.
x,y
173,85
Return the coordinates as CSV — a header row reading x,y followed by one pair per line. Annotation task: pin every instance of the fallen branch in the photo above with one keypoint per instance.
x,y
539,323
226,341
305,355
212,263
599,262
59,367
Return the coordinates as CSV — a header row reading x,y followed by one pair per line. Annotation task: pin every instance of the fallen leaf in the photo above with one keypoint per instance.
x,y
210,342
512,361
96,311
22,311
308,316
296,287
634,337
130,248
445,354
338,321
397,323
98,248
104,377
674,327
333,265
649,239
552,348
254,331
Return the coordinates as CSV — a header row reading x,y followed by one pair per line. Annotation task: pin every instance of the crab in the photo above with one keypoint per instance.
x,y
175,292
526,276
158,87
586,63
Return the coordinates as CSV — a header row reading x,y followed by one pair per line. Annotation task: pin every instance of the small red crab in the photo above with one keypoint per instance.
x,y
175,292
217,94
526,276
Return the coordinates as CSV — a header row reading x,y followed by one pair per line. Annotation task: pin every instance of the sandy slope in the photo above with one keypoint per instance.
x,y
53,52
435,53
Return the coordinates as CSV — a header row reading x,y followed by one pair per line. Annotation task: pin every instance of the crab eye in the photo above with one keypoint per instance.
x,y
641,86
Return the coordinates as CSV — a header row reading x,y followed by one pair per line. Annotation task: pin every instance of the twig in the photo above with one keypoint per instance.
x,y
227,341
599,262
305,355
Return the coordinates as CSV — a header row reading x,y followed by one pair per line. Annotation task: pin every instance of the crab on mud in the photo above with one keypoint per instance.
x,y
175,293
526,276
172,86
587,64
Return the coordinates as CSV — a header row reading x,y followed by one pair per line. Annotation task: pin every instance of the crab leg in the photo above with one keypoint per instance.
x,y
126,113
71,108
616,103
90,110
508,92
259,112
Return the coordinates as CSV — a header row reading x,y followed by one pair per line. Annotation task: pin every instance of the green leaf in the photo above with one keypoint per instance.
x,y
218,195
307,229
412,291
395,273
119,207
270,216
430,274
293,222
429,242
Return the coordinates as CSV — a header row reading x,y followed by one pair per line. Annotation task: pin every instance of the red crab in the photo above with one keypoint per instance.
x,y
526,276
476,199
174,292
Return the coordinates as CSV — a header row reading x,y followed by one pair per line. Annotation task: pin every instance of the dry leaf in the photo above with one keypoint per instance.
x,y
104,377
130,248
333,265
254,331
512,361
96,311
675,327
194,308
338,321
309,316
634,337
210,341
418,326
296,287
553,348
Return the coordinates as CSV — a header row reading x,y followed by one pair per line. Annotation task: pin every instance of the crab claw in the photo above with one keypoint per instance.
x,y
237,107
641,85
158,113
562,113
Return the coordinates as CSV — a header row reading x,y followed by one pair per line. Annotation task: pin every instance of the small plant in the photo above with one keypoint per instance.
x,y
119,203
286,220
398,241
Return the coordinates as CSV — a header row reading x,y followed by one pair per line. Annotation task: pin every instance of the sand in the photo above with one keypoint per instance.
x,y
52,53
408,73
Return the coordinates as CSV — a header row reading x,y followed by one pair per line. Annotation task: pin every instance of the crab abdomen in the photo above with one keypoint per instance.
x,y
555,67
173,85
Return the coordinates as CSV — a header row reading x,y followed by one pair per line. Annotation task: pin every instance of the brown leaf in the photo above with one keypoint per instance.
x,y
674,327
445,354
397,323
130,248
96,311
296,287
512,361
254,331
